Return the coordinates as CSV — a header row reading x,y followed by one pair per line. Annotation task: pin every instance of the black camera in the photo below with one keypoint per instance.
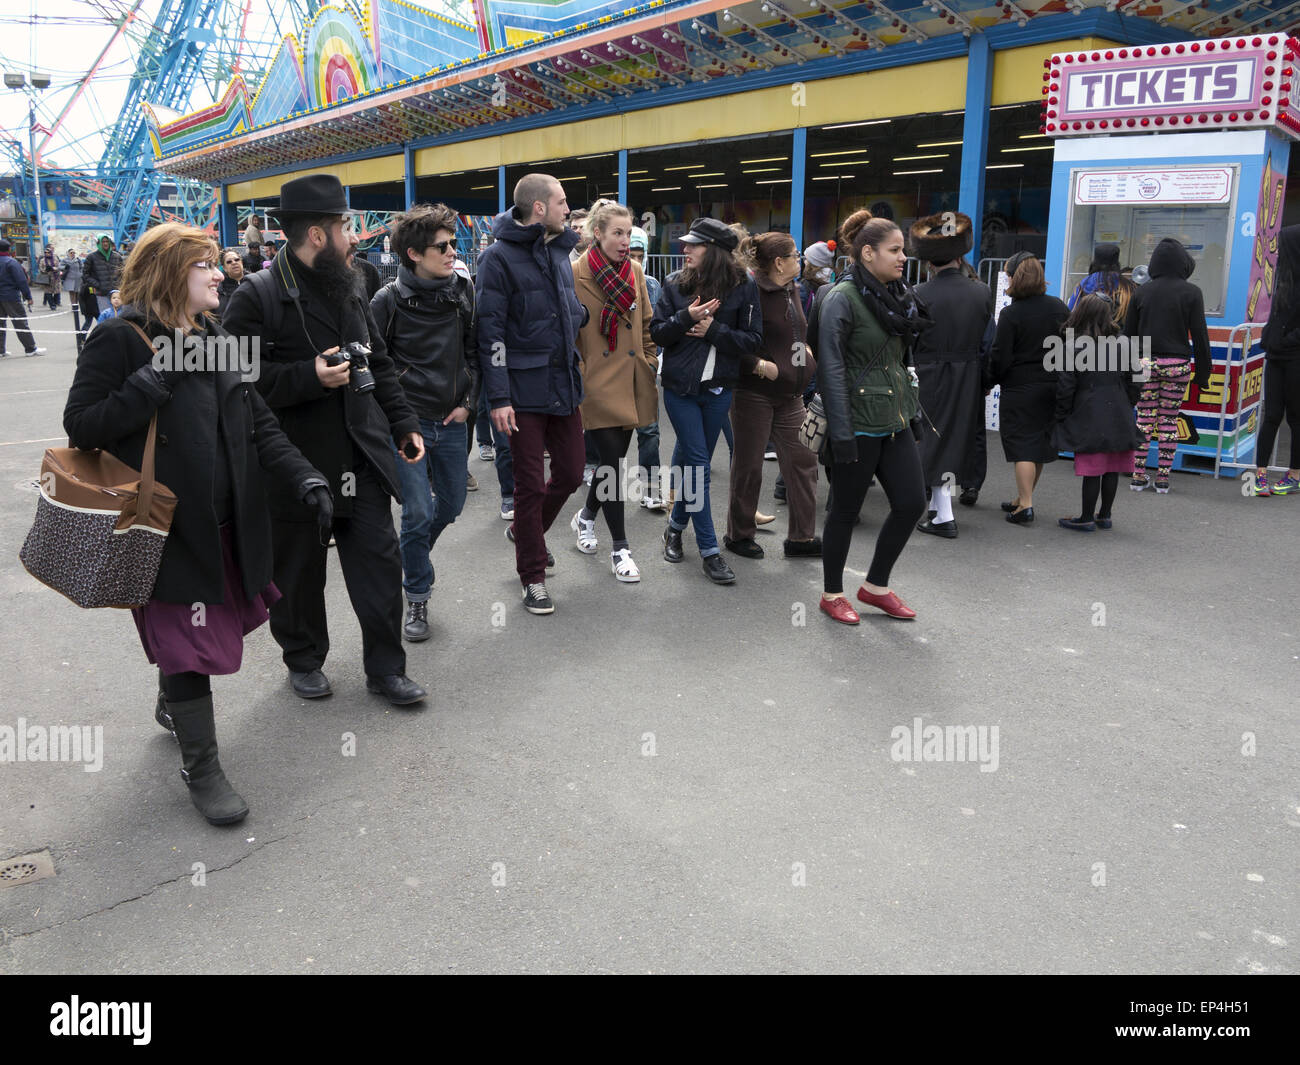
x,y
358,355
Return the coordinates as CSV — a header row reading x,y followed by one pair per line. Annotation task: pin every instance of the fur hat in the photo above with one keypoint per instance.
x,y
931,244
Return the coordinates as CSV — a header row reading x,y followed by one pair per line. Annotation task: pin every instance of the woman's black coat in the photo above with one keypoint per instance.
x,y
1094,411
114,395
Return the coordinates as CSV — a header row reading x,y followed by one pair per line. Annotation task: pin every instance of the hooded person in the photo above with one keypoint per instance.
x,y
1169,313
1281,340
102,271
818,270
949,360
1104,276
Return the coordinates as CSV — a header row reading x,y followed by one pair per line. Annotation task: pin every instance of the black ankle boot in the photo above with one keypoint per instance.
x,y
210,791
673,544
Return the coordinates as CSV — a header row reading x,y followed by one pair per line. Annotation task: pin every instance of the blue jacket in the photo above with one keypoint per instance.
x,y
716,359
13,281
528,319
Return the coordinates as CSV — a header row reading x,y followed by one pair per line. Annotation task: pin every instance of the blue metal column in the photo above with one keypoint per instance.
x,y
975,135
501,188
409,157
798,163
227,220
622,175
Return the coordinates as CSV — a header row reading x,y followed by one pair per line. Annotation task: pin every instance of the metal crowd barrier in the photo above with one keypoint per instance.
x,y
1246,330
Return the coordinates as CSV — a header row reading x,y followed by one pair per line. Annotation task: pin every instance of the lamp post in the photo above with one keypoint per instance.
x,y
39,81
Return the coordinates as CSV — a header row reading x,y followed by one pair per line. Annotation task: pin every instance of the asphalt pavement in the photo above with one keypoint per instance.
x,y
673,776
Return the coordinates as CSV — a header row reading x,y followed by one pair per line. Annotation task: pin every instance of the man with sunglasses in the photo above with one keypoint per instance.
x,y
305,309
426,317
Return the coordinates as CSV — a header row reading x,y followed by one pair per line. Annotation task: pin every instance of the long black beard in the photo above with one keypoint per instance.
x,y
339,281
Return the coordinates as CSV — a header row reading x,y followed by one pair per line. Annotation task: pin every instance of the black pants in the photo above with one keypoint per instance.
x,y
1281,397
372,571
606,491
13,310
1104,485
895,462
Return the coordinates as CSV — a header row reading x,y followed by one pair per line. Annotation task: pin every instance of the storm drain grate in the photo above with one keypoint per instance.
x,y
26,868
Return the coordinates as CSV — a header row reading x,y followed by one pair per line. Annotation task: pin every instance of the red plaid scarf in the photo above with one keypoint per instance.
x,y
620,292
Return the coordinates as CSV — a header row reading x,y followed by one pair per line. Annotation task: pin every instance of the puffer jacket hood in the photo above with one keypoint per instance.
x,y
1171,259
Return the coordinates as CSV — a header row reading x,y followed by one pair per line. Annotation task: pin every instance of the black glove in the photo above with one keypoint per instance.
x,y
322,502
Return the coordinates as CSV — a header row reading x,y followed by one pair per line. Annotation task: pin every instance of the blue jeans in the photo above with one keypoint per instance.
x,y
697,421
647,454
426,512
504,462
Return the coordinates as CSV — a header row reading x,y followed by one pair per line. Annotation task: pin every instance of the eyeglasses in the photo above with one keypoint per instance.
x,y
209,267
444,246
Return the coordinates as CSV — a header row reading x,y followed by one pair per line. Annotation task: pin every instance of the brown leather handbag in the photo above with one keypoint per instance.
x,y
100,526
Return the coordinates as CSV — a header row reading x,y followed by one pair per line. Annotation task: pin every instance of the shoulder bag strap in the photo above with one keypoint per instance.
x,y
144,497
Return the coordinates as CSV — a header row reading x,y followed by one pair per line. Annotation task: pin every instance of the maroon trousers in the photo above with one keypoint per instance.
x,y
537,500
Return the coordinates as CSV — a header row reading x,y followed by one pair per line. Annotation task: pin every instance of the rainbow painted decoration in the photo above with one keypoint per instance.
x,y
1226,83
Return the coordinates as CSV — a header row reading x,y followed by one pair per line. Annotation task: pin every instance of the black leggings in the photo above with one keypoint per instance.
x,y
896,464
182,687
1105,484
606,491
1281,396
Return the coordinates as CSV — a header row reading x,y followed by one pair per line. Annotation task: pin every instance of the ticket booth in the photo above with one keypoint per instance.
x,y
1189,141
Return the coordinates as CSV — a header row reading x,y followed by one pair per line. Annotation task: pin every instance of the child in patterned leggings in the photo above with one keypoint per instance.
x,y
1157,415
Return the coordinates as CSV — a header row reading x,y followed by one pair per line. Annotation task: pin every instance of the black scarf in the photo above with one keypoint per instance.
x,y
894,306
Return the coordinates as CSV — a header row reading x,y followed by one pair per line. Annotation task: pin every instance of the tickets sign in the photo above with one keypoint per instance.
x,y
1229,82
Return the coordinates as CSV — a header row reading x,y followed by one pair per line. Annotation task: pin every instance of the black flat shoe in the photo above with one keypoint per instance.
x,y
310,685
1077,524
718,571
804,548
673,544
1022,517
746,548
1009,507
398,688
1104,523
969,497
946,529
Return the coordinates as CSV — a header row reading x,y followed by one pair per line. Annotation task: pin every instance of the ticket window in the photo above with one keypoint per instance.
x,y
1137,208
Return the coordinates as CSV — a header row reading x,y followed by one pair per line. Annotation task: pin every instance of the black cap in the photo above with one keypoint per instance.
x,y
711,231
316,194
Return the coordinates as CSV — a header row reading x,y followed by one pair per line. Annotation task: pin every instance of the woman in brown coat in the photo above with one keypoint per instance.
x,y
618,372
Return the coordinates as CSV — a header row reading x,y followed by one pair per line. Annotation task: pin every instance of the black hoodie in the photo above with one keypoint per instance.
x,y
1281,337
1169,308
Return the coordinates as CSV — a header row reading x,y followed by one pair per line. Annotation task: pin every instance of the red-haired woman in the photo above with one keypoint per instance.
x,y
215,436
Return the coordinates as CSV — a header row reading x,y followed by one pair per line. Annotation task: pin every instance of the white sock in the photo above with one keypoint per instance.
x,y
941,501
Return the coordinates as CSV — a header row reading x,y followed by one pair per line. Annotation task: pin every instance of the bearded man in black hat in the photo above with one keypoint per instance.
x,y
307,309
948,363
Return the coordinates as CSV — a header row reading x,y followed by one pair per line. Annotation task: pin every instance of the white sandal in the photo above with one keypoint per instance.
x,y
586,531
624,568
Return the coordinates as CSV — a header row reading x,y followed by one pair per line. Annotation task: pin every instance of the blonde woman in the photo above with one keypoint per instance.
x,y
618,372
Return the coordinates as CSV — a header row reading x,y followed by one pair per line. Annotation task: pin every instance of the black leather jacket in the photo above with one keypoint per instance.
x,y
430,334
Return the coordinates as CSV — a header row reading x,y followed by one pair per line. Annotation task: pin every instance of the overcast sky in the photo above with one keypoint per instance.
x,y
62,38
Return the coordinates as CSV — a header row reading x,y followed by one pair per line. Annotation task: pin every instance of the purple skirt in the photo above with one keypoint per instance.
x,y
1099,462
175,644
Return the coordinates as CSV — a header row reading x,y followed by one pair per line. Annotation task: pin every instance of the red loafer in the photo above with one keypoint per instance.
x,y
839,609
890,604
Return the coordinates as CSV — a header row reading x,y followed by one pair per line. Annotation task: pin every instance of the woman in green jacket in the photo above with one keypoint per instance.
x,y
865,333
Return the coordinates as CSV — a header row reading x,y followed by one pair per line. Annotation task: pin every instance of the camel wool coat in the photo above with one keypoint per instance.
x,y
619,385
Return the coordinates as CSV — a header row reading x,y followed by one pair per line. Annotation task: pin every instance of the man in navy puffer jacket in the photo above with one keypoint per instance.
x,y
528,323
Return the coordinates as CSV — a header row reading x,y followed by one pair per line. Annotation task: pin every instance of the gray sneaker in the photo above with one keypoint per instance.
x,y
537,601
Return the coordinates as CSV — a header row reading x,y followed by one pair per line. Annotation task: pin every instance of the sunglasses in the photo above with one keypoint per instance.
x,y
444,246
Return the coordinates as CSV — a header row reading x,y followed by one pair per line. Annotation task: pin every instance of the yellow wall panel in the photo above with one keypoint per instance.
x,y
1018,72
360,172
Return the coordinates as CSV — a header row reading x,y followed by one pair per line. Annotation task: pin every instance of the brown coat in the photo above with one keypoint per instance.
x,y
620,385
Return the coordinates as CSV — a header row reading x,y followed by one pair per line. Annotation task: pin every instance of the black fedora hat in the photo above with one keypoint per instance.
x,y
711,231
316,194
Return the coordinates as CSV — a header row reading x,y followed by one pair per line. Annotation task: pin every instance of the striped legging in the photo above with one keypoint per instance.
x,y
1157,413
